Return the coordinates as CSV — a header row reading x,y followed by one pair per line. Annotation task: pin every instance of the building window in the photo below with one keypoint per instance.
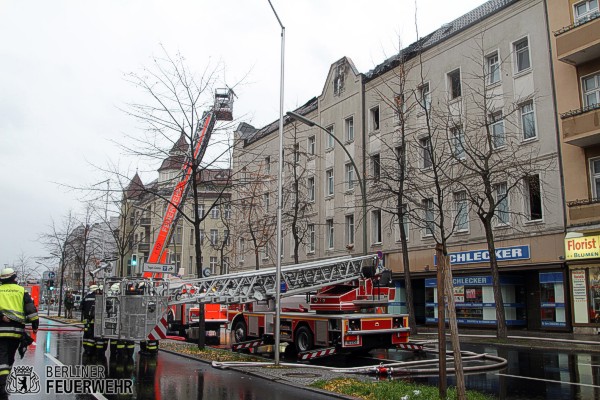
x,y
376,226
202,235
426,152
425,96
312,146
329,227
374,118
591,90
191,237
201,210
227,211
521,49
349,123
213,265
226,238
458,142
178,235
376,166
585,10
497,130
349,229
330,139
462,211
401,160
454,84
311,189
502,217
533,196
215,212
242,248
349,176
296,153
528,120
267,165
595,177
493,68
266,201
428,216
191,266
311,238
397,235
214,237
329,182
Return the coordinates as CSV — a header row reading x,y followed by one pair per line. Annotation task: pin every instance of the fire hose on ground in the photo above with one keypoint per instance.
x,y
404,368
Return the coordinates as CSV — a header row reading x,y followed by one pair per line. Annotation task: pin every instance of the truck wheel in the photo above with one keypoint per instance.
x,y
239,331
304,339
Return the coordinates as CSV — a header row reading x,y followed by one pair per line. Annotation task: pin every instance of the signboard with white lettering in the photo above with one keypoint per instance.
x,y
160,268
479,256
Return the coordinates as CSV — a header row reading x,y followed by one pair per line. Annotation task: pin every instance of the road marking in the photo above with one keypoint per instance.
x,y
56,361
549,380
591,365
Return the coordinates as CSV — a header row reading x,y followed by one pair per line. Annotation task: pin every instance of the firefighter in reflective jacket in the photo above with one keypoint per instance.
x,y
16,309
88,308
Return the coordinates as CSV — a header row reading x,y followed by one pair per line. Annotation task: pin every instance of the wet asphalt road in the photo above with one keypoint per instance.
x,y
164,377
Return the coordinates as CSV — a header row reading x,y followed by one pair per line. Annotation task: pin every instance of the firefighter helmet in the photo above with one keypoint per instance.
x,y
93,288
7,273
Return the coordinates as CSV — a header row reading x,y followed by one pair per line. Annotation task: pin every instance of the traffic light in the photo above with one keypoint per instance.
x,y
134,260
51,284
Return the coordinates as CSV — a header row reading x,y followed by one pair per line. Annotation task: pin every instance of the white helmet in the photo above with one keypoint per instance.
x,y
7,273
93,288
115,288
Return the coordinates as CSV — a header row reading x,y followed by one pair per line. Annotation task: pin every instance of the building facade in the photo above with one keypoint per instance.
x,y
575,35
477,84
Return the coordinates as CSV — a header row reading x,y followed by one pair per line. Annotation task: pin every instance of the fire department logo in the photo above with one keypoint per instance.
x,y
23,379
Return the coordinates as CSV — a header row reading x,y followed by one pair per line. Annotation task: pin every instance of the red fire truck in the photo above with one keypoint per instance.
x,y
349,316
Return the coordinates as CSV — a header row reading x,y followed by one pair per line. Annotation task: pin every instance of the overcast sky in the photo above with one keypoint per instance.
x,y
62,65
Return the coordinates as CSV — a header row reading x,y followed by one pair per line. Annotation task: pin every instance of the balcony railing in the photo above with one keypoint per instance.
x,y
580,127
145,221
580,42
584,211
143,247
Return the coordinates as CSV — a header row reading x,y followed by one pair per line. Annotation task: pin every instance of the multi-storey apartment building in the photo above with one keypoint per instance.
x,y
148,203
575,35
477,88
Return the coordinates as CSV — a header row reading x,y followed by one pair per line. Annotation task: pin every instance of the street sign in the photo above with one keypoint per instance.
x,y
51,275
160,268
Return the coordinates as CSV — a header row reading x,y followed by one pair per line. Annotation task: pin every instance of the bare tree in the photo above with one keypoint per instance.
x,y
25,269
56,242
298,191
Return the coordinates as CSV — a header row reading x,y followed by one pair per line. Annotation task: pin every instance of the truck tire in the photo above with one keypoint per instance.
x,y
239,331
303,339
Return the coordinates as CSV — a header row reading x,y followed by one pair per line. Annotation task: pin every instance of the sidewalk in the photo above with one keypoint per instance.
x,y
519,338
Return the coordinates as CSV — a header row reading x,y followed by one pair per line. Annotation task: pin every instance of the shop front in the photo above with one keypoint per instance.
x,y
583,258
474,299
533,281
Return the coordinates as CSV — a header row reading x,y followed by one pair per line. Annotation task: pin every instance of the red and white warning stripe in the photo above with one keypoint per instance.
x,y
160,330
247,345
409,346
316,353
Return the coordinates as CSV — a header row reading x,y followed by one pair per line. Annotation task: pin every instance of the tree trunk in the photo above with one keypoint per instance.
x,y
443,384
458,366
501,332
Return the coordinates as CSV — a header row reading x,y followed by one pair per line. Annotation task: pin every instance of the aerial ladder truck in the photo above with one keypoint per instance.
x,y
347,308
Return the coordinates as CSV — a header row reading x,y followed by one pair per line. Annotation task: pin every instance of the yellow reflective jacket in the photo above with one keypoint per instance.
x,y
17,306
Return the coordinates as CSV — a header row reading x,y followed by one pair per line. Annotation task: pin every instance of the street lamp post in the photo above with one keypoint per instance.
x,y
361,181
279,197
